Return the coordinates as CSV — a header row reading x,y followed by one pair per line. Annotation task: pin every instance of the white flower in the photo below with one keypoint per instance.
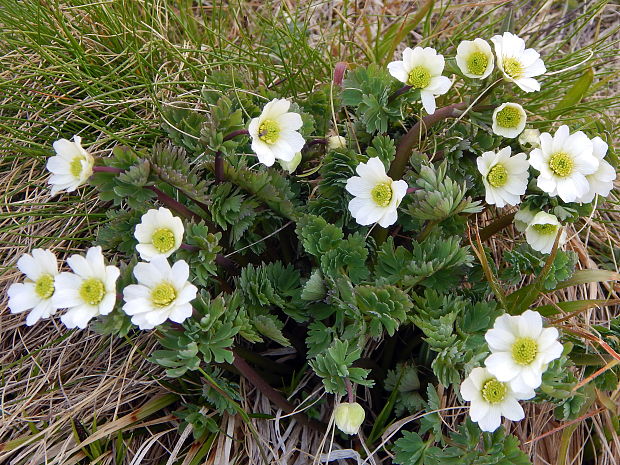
x,y
376,196
35,293
601,182
564,161
475,58
509,120
274,133
291,166
523,218
162,293
516,63
530,138
521,350
159,234
87,292
542,230
421,69
504,177
70,167
349,417
491,399
336,142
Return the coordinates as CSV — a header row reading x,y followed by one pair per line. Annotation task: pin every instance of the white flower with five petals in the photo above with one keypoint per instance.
x,y
35,293
504,177
87,292
542,230
377,197
518,64
163,292
521,349
491,399
274,133
601,182
70,167
475,58
159,234
564,161
509,120
421,69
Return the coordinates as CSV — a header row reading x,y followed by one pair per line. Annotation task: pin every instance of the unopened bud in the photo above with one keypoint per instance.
x,y
336,142
291,165
530,138
349,417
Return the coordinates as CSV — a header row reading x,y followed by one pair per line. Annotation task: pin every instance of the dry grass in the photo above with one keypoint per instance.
x,y
53,380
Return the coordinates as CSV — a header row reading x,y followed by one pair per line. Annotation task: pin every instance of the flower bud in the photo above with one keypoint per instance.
x,y
336,142
530,138
349,417
291,165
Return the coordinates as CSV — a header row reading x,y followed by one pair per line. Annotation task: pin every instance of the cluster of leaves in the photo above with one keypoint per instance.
x,y
522,261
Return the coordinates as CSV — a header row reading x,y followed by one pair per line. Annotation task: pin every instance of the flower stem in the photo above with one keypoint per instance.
x,y
174,204
349,387
274,396
398,93
107,169
238,132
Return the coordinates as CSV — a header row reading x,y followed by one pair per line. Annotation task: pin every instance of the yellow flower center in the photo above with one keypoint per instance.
x,y
419,77
524,350
561,164
498,175
163,240
44,286
382,194
92,291
508,117
268,131
494,391
477,63
545,228
163,295
75,168
513,67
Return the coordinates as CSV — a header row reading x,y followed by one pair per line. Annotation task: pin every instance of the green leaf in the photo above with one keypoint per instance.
x,y
269,326
336,363
575,94
410,449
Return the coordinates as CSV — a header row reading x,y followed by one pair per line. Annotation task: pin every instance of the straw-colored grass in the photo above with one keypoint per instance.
x,y
104,70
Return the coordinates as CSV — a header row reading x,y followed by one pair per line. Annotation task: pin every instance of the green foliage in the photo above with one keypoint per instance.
x,y
230,208
183,126
223,118
368,91
384,148
117,233
436,262
383,308
468,445
438,197
404,379
201,253
558,383
336,363
196,416
332,199
522,260
172,165
203,340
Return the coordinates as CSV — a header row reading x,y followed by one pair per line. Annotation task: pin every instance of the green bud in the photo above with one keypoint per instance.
x,y
292,165
349,417
336,142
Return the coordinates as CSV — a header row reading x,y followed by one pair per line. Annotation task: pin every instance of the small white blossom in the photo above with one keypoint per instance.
x,y
349,416
504,177
336,142
523,218
162,293
70,167
291,166
601,182
475,58
491,399
564,161
376,196
509,120
521,349
159,234
518,64
542,230
35,293
274,133
87,292
421,69
530,138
